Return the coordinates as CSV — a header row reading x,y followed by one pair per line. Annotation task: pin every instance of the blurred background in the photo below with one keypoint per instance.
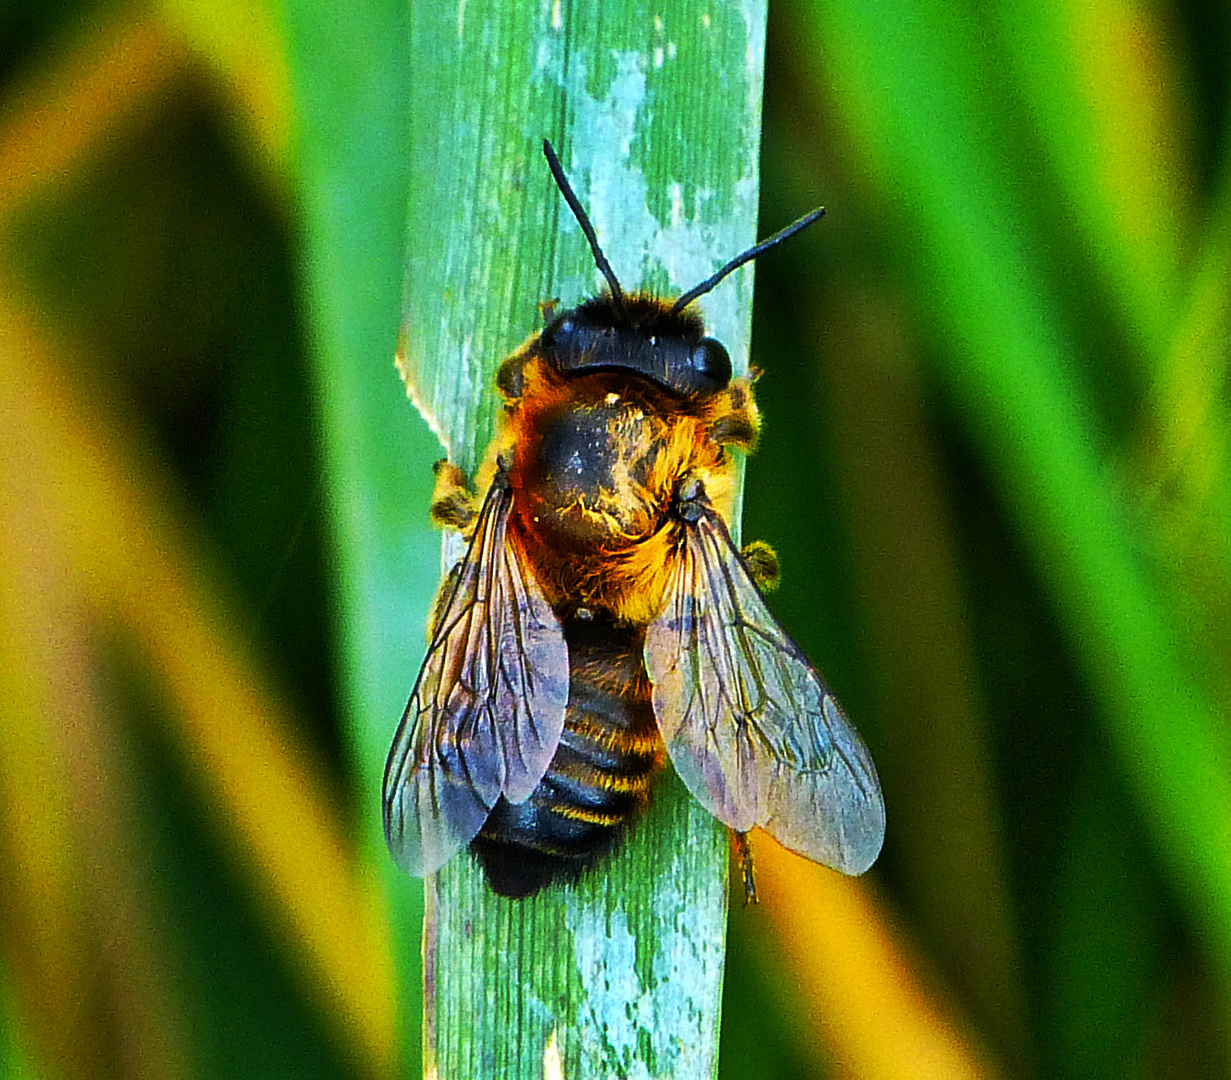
x,y
995,466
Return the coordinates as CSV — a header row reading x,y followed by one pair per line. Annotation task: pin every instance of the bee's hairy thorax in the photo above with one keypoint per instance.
x,y
596,460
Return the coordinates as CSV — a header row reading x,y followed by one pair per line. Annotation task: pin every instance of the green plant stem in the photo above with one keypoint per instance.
x,y
656,116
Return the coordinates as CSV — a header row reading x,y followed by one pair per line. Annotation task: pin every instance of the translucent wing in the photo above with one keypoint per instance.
x,y
486,713
753,731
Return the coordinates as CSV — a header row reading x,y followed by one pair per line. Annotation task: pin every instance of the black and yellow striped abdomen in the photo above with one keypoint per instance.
x,y
600,776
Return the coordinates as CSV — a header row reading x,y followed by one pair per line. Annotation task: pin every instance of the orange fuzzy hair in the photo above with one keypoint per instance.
x,y
681,436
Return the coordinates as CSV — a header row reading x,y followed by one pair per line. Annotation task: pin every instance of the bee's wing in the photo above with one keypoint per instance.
x,y
486,713
752,730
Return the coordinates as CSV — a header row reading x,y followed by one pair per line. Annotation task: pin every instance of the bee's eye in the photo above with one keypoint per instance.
x,y
711,360
558,333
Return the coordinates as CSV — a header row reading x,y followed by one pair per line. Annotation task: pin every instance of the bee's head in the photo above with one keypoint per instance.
x,y
660,341
640,335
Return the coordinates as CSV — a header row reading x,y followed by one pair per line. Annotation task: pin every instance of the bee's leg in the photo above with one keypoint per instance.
x,y
744,850
761,562
454,505
511,374
441,600
759,559
735,419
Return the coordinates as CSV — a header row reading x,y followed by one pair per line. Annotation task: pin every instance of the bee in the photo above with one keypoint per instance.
x,y
603,622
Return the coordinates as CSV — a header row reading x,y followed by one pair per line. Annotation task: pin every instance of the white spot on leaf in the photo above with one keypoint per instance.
x,y
553,1065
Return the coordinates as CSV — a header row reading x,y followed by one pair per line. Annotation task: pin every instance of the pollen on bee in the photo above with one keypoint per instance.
x,y
612,398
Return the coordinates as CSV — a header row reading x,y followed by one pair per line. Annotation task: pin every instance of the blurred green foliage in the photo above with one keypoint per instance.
x,y
995,465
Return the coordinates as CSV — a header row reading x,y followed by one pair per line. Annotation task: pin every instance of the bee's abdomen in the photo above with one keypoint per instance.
x,y
599,778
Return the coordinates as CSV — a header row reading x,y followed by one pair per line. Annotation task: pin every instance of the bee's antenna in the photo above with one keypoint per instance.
x,y
600,260
747,256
